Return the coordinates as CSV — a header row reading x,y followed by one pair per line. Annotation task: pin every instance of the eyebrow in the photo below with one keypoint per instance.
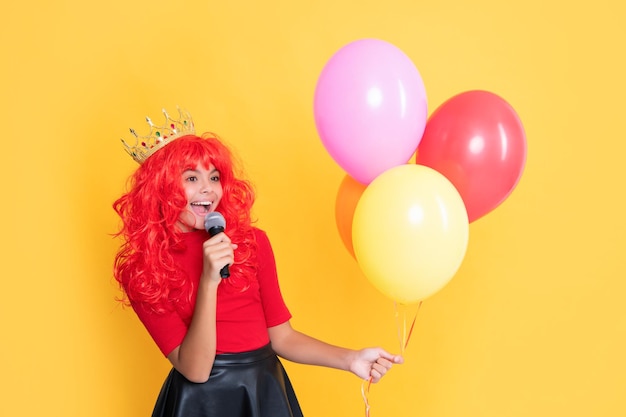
x,y
214,170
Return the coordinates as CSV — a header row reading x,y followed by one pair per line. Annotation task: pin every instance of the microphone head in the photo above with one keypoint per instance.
x,y
214,219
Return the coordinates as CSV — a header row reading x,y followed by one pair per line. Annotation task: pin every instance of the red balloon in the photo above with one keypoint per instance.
x,y
477,141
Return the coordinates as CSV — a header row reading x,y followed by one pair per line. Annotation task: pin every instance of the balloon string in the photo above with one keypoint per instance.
x,y
365,390
403,335
412,325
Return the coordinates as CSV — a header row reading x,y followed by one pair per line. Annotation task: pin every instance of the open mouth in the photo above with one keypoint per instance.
x,y
201,207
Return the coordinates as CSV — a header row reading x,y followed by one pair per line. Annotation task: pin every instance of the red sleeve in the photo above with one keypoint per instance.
x,y
276,311
168,329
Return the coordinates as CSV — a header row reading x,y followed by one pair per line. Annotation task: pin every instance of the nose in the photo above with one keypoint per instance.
x,y
206,187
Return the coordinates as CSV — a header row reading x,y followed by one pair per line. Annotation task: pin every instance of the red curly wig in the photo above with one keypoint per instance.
x,y
144,265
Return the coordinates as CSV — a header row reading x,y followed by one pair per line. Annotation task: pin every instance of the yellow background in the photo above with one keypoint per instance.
x,y
534,322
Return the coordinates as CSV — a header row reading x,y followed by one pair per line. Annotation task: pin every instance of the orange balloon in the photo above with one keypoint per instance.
x,y
348,196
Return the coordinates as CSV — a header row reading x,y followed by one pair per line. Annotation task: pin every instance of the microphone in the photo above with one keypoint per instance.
x,y
214,223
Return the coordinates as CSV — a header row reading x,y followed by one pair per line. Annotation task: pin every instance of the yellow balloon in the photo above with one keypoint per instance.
x,y
409,232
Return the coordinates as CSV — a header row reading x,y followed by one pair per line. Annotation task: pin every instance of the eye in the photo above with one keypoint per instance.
x,y
215,178
191,178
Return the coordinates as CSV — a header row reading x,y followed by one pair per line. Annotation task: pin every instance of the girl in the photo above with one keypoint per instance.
x,y
222,335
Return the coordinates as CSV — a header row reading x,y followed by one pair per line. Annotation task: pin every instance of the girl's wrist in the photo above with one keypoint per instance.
x,y
208,284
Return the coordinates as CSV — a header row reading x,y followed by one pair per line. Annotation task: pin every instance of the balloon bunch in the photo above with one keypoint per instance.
x,y
414,183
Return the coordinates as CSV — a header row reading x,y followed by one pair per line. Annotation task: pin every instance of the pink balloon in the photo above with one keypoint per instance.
x,y
370,108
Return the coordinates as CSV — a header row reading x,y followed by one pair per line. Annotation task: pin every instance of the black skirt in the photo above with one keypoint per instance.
x,y
249,384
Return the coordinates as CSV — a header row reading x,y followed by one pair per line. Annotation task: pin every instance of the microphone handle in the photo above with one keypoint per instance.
x,y
224,272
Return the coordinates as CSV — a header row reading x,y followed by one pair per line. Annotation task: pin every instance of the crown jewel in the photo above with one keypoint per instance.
x,y
159,136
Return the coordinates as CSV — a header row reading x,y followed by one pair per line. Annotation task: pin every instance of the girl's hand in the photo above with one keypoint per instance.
x,y
218,252
374,363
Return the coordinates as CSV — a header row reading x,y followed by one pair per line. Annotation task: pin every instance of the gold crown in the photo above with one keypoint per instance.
x,y
159,136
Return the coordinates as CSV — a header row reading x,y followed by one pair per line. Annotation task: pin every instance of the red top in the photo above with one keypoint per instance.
x,y
242,317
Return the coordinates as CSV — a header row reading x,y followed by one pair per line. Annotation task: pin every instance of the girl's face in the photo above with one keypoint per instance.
x,y
203,190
